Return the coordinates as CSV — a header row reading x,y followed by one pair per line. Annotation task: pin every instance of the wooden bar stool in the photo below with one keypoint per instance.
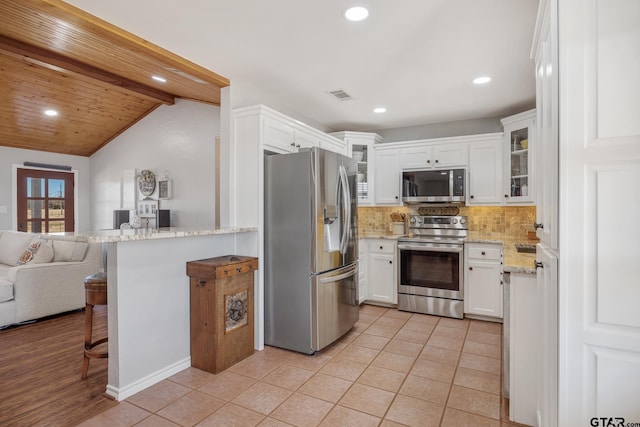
x,y
95,287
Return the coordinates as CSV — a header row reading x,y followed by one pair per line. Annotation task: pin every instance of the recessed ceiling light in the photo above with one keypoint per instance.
x,y
50,113
380,110
357,13
159,79
481,80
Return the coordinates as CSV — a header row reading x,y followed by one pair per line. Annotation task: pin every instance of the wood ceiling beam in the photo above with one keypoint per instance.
x,y
59,62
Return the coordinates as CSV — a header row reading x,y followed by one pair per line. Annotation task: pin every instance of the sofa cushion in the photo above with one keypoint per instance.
x,y
6,290
12,245
69,251
38,252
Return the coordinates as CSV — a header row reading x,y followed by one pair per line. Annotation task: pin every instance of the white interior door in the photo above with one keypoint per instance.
x,y
599,318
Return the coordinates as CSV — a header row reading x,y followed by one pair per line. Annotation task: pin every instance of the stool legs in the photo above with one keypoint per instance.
x,y
88,345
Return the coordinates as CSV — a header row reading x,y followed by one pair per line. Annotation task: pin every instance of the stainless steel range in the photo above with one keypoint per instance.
x,y
430,277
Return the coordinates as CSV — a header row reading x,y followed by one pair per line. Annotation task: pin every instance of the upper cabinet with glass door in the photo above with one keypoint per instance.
x,y
519,140
361,150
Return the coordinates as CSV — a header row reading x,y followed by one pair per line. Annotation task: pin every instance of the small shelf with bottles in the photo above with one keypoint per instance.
x,y
519,163
360,153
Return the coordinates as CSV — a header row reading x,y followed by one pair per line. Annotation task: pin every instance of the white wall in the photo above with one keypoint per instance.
x,y
179,139
10,156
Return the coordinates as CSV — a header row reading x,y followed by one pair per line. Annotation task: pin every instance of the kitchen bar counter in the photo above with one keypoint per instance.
x,y
148,298
108,236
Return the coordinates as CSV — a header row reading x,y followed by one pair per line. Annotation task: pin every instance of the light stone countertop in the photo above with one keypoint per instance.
x,y
514,261
107,236
380,235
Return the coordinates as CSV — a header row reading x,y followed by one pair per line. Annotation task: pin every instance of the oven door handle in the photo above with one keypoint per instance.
x,y
428,248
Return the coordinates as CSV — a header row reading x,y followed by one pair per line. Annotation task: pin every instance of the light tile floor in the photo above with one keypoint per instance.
x,y
393,369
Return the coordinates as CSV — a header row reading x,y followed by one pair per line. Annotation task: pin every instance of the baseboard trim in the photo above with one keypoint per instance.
x,y
121,393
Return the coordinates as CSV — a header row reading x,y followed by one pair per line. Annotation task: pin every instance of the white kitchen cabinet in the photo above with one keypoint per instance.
x,y
282,134
387,177
519,149
362,142
427,155
483,283
363,255
524,329
382,277
547,151
485,173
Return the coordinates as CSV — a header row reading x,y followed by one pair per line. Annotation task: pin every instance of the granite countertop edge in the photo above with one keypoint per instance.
x,y
381,235
111,236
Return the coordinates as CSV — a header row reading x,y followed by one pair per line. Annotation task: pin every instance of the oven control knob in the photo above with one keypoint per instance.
x,y
419,220
413,220
463,221
454,221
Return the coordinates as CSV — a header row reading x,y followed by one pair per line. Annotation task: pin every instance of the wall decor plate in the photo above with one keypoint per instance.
x,y
146,182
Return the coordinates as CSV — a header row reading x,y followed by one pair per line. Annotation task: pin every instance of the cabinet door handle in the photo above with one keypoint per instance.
x,y
202,283
298,146
470,268
380,247
428,161
293,144
390,262
471,196
506,195
437,161
538,264
396,197
537,225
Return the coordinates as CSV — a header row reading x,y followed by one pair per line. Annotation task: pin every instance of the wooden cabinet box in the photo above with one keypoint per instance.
x,y
221,295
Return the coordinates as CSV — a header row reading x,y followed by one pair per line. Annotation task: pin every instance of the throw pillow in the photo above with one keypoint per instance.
x,y
38,252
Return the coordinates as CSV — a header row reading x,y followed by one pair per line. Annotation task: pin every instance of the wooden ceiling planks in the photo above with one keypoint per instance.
x,y
53,55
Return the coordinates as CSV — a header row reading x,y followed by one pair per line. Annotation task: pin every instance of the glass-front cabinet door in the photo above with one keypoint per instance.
x,y
519,140
360,146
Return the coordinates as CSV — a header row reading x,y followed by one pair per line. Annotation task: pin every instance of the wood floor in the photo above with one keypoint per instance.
x,y
40,366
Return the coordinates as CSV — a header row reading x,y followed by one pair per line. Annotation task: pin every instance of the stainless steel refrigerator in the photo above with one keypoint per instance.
x,y
311,249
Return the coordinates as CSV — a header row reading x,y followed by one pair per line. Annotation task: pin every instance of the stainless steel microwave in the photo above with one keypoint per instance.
x,y
434,186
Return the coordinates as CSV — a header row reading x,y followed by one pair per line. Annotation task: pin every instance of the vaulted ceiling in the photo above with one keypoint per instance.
x,y
96,76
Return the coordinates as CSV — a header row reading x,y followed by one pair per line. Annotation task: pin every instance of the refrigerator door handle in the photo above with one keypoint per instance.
x,y
339,276
346,200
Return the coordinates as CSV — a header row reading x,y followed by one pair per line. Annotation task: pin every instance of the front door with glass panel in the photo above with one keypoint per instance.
x,y
45,201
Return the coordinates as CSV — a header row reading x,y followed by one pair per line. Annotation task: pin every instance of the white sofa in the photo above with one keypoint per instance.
x,y
52,280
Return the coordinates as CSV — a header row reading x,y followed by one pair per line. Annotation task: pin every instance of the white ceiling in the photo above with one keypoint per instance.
x,y
415,57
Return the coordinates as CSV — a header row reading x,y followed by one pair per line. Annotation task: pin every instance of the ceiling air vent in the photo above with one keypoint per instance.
x,y
340,95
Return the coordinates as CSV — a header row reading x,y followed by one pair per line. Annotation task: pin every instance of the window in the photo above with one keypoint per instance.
x,y
45,201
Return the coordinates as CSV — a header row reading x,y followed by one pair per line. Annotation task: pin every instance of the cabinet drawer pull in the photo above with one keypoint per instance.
x,y
239,269
380,247
537,225
538,264
202,283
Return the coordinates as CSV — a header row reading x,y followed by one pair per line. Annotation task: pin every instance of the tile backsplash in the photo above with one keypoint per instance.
x,y
377,219
501,222
494,222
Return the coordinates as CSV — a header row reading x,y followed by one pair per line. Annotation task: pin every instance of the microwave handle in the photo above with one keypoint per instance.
x,y
451,182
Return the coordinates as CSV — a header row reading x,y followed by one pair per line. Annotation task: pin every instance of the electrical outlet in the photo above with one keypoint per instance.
x,y
3,209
